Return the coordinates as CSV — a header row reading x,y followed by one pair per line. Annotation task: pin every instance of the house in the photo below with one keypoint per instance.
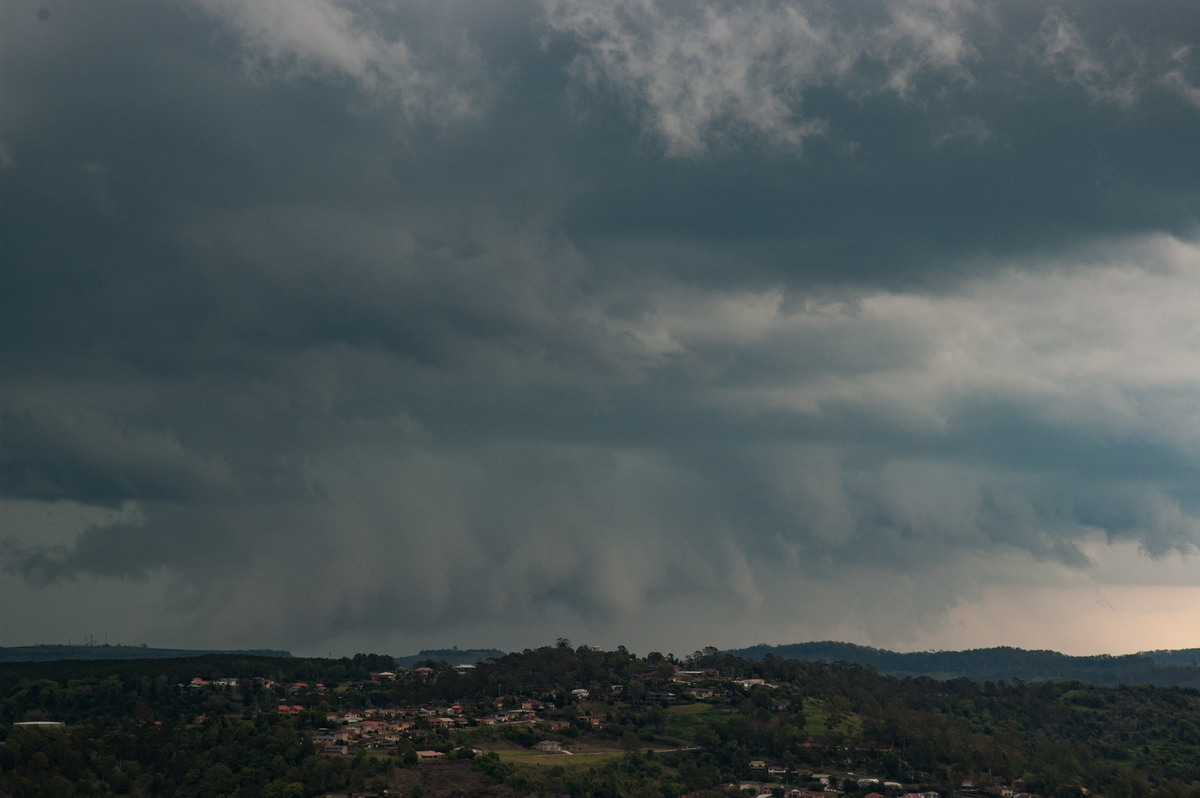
x,y
429,756
549,746
689,676
39,724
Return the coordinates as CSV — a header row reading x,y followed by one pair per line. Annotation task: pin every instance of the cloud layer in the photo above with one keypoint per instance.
x,y
670,324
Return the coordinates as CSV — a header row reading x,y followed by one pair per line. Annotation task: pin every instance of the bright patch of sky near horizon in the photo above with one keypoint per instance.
x,y
335,325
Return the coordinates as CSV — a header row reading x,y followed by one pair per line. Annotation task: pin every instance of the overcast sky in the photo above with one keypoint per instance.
x,y
377,325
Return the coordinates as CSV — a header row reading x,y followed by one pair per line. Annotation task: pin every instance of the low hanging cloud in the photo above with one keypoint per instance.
x,y
1028,413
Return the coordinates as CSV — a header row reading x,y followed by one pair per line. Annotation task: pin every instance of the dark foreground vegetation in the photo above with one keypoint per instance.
x,y
580,722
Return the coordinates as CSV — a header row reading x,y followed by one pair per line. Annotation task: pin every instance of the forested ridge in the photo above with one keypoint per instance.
x,y
1175,668
710,724
50,653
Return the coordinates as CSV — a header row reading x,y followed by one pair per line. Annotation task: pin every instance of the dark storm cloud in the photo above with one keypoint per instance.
x,y
52,454
928,130
594,311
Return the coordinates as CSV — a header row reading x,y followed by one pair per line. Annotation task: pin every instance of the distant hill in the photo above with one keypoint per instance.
x,y
1167,668
54,653
451,656
1183,656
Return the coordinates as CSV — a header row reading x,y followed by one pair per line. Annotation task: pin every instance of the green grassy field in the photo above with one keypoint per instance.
x,y
816,716
581,754
683,721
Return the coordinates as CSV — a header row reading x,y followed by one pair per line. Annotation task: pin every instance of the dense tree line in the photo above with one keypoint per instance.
x,y
267,757
138,728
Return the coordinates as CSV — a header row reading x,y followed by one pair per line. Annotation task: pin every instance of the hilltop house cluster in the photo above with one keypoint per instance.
x,y
351,730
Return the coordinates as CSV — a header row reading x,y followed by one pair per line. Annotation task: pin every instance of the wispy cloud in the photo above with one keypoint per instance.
x,y
1066,50
699,72
1113,66
438,74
